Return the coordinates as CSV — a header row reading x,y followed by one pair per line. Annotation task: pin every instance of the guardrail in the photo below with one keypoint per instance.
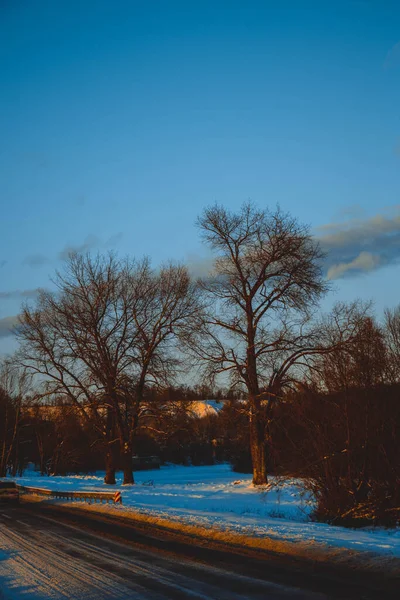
x,y
116,497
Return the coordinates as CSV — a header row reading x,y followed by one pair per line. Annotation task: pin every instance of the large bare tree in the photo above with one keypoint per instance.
x,y
109,329
78,341
266,284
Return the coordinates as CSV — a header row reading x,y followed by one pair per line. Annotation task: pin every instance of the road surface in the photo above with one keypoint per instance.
x,y
44,553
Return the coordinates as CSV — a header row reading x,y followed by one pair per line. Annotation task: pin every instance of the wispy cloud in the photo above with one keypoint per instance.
x,y
113,240
15,294
200,266
35,260
91,242
361,245
365,261
7,325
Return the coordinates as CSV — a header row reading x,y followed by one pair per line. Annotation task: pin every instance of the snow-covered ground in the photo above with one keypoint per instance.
x,y
215,496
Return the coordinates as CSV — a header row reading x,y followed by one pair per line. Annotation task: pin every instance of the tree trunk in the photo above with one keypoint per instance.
x,y
110,458
127,463
3,464
109,478
3,460
54,461
132,421
41,453
14,445
258,445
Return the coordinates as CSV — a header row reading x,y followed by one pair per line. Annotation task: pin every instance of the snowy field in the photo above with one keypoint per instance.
x,y
216,497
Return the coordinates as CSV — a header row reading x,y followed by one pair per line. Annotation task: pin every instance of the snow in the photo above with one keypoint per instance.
x,y
214,496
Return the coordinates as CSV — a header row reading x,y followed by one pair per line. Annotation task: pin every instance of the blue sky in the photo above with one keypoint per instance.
x,y
120,121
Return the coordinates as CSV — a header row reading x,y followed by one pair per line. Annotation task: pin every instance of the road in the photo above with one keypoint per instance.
x,y
47,553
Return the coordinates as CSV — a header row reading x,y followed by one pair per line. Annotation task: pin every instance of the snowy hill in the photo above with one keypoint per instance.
x,y
205,408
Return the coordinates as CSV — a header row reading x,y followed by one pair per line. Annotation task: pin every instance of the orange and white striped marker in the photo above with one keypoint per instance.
x,y
117,498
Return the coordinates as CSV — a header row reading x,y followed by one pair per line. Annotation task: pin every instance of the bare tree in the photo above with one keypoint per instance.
x,y
391,331
102,336
165,314
78,341
14,389
361,362
266,284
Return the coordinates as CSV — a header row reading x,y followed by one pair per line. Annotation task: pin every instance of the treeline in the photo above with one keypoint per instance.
x,y
344,443
306,391
176,425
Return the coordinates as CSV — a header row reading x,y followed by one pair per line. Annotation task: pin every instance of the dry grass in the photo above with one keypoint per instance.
x,y
217,537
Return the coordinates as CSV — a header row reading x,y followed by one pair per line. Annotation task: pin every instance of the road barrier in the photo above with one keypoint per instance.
x,y
114,497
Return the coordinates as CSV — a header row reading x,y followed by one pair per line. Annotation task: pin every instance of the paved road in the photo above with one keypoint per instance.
x,y
46,554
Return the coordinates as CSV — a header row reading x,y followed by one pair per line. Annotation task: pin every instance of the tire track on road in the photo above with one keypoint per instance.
x,y
63,561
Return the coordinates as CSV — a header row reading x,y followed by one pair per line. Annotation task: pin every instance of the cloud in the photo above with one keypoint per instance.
x,y
365,261
354,211
91,242
35,260
7,325
355,244
200,266
19,294
114,240
361,244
